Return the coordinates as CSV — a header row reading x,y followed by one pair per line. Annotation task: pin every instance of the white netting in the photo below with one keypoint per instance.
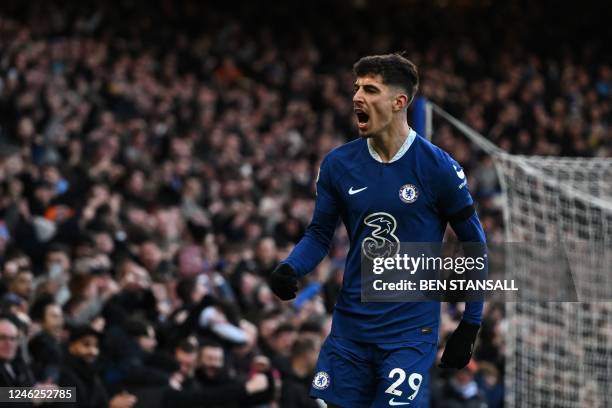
x,y
558,354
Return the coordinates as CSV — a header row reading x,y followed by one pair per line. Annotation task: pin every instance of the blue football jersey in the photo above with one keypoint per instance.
x,y
405,200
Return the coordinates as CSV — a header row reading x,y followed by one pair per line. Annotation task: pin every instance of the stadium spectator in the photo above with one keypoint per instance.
x,y
22,284
210,386
488,380
281,344
211,369
14,372
45,348
78,370
296,383
131,359
461,390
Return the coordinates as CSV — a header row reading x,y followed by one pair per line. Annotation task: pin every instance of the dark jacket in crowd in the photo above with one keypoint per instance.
x,y
47,356
130,303
90,391
230,394
294,392
126,364
452,398
16,374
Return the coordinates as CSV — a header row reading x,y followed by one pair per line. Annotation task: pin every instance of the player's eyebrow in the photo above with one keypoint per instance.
x,y
367,87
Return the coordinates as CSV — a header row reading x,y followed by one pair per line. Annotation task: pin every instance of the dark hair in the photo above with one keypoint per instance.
x,y
136,327
185,288
39,307
284,328
302,346
311,326
209,342
188,345
58,247
394,69
79,331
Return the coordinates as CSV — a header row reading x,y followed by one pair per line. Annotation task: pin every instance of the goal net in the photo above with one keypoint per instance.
x,y
557,354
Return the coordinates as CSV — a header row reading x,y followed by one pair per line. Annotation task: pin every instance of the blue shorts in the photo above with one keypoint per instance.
x,y
353,374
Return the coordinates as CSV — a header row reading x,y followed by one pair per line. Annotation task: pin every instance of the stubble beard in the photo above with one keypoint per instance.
x,y
367,134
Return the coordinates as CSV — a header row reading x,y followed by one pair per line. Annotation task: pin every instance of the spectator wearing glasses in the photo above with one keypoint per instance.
x,y
13,371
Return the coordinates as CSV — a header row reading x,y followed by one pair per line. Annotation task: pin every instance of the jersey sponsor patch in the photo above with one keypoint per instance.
x,y
320,380
408,193
382,241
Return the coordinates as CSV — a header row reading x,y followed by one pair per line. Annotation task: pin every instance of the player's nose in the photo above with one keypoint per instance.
x,y
357,98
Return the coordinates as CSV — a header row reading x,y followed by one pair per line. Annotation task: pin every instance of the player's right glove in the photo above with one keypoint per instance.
x,y
459,347
283,282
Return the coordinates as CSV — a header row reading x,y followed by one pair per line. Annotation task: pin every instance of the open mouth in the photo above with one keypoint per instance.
x,y
362,118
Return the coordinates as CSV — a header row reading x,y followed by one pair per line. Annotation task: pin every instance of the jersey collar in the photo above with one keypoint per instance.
x,y
400,152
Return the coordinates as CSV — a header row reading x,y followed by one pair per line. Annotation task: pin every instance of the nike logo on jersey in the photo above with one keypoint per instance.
x,y
359,190
395,403
460,173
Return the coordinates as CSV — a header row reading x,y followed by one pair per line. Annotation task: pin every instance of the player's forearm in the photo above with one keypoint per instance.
x,y
473,312
315,244
470,230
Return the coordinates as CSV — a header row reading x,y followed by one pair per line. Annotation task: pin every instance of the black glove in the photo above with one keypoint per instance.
x,y
459,347
283,282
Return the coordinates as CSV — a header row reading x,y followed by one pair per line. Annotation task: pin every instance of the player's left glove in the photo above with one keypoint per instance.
x,y
459,347
283,282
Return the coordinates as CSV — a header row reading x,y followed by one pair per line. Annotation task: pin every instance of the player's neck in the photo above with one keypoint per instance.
x,y
388,142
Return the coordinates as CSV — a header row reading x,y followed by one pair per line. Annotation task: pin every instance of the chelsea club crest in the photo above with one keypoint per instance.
x,y
408,193
321,380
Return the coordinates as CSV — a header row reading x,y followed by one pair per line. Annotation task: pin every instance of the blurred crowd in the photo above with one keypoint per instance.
x,y
157,161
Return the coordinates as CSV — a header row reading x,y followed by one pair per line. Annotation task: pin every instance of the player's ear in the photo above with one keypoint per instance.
x,y
400,102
